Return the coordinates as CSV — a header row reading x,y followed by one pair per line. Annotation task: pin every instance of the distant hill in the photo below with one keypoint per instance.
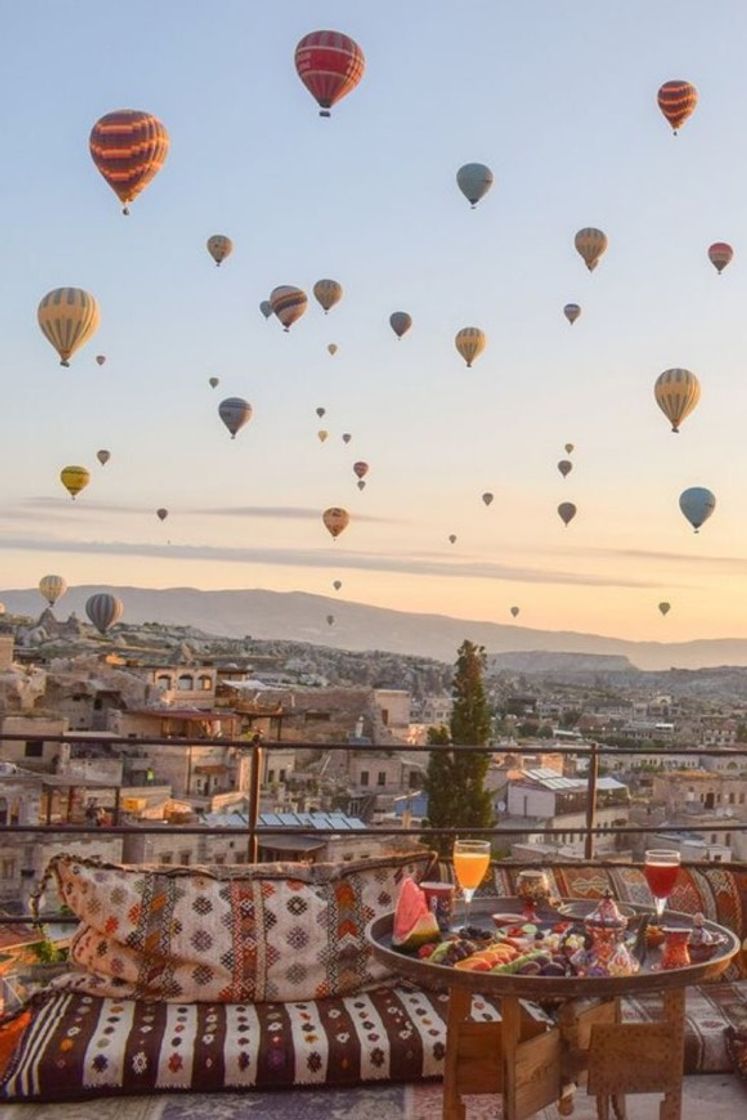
x,y
540,661
296,616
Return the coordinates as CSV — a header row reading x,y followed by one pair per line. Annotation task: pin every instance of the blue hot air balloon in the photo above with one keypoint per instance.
x,y
697,504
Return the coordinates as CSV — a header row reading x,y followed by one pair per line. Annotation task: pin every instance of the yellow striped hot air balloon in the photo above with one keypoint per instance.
x,y
68,317
677,101
470,342
590,244
74,479
677,391
288,303
327,293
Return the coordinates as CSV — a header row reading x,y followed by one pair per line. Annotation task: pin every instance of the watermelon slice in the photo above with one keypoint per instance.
x,y
414,923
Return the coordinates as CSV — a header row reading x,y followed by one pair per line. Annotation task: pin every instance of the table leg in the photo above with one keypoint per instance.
x,y
674,1016
511,1032
460,1003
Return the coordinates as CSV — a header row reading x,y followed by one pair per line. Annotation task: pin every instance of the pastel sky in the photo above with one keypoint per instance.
x,y
559,100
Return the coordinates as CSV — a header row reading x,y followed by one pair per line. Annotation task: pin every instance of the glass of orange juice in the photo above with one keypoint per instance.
x,y
471,860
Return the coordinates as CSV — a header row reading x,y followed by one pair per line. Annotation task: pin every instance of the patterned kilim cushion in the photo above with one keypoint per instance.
x,y
279,932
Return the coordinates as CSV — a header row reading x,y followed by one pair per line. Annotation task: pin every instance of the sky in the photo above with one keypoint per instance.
x,y
559,100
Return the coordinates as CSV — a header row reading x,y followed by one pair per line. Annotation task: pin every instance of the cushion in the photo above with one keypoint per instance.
x,y
710,1011
254,933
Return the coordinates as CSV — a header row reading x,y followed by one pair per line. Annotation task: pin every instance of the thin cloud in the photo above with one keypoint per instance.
x,y
276,513
724,563
321,558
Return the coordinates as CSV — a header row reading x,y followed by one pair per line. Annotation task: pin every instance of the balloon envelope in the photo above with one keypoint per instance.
x,y
322,435
565,466
569,448
327,293
104,610
677,392
219,247
330,65
74,479
566,511
515,611
677,101
235,412
337,584
400,322
162,514
474,181
487,497
335,520
68,317
590,244
330,620
213,382
665,608
720,254
571,312
129,148
289,304
452,538
346,437
470,343
266,308
103,456
100,359
360,469
332,348
52,588
697,504
320,412
361,484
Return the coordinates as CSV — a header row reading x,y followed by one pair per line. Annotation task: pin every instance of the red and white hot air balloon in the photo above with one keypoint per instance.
x,y
720,254
330,65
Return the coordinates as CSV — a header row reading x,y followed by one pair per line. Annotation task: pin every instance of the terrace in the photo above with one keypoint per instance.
x,y
719,1095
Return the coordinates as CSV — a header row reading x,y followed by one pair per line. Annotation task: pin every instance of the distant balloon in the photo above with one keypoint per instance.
x,y
720,254
52,588
289,304
320,412
162,514
346,437
452,538
569,448
330,620
74,479
322,435
697,504
360,469
68,317
235,412
565,466
591,244
677,392
337,584
330,65
103,456
104,610
327,293
571,312
515,611
266,308
219,247
332,348
100,359
400,322
213,382
665,608
129,148
470,342
487,497
335,520
474,181
677,101
361,484
566,511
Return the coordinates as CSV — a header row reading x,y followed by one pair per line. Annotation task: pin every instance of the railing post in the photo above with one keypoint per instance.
x,y
591,801
253,811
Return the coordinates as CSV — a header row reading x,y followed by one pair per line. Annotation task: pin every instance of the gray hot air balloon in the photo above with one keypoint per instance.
x,y
400,322
487,497
566,511
266,308
104,610
235,412
565,466
697,504
103,456
474,181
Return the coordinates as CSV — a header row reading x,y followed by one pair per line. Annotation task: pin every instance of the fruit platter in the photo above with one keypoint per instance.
x,y
599,949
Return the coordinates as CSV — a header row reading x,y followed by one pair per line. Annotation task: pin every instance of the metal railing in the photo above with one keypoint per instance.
x,y
253,832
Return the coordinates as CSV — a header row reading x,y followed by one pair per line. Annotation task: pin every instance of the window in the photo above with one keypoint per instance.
x,y
163,683
185,858
727,840
364,777
316,717
281,775
713,837
219,860
732,798
413,781
741,799
186,683
381,779
270,776
385,716
34,750
8,869
3,811
206,684
166,857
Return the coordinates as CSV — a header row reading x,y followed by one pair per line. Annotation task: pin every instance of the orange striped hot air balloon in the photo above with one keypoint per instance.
x,y
330,65
677,101
720,254
129,147
288,303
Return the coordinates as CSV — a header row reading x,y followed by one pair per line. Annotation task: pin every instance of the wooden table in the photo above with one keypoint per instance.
x,y
534,1064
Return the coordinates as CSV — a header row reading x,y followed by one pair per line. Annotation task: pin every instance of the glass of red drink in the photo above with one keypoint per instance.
x,y
660,866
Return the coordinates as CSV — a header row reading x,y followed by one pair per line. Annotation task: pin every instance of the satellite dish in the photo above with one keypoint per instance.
x,y
501,806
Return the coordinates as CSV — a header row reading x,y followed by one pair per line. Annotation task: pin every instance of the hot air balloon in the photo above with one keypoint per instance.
x,y
400,322
470,342
322,435
569,448
474,181
74,479
52,588
266,308
665,608
235,412
335,520
330,620
346,437
590,244
677,101
332,348
720,254
330,65
515,611
129,148
100,359
697,504
487,497
104,610
68,317
219,247
337,584
571,312
320,411
452,538
566,511
103,456
677,391
565,466
162,514
361,484
360,469
213,382
327,293
289,304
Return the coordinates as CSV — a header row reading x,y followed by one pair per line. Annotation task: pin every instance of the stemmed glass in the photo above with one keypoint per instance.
x,y
471,860
660,866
